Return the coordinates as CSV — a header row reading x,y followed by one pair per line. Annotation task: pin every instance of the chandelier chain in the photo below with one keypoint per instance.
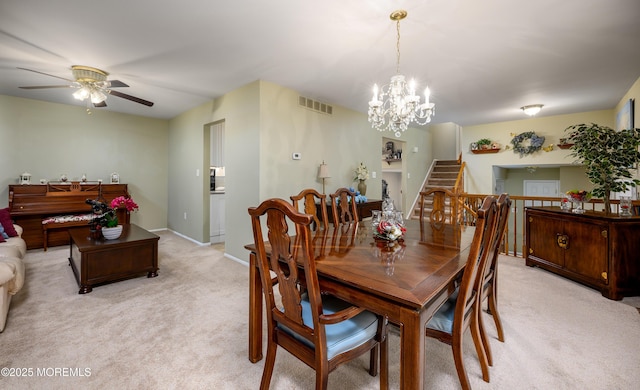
x,y
398,47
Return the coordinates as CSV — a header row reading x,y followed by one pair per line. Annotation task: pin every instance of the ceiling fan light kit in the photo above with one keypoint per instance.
x,y
91,83
397,104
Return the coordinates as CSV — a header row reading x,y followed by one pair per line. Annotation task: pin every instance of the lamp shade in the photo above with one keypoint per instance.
x,y
323,171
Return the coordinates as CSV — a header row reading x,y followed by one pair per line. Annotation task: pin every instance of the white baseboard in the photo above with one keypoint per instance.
x,y
187,237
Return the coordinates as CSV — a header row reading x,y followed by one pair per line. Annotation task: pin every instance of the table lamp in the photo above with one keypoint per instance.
x,y
323,173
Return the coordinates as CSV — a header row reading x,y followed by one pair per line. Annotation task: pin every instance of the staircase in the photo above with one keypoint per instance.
x,y
443,174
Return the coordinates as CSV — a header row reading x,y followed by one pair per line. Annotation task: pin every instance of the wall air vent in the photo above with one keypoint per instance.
x,y
315,105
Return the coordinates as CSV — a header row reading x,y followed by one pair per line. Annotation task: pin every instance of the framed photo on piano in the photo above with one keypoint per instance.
x,y
115,178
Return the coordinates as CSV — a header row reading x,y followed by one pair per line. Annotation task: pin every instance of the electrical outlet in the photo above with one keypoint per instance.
x,y
373,175
185,215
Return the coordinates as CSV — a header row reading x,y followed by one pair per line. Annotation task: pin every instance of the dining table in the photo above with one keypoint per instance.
x,y
406,280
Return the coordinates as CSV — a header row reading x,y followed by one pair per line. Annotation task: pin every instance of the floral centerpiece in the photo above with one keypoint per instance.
x,y
362,174
389,230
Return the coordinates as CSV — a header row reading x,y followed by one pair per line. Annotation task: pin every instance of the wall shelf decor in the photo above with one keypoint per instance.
x,y
483,151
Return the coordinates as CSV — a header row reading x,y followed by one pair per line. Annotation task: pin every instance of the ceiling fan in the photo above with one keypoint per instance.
x,y
91,83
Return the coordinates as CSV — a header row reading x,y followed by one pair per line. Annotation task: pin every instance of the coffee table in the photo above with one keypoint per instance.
x,y
99,261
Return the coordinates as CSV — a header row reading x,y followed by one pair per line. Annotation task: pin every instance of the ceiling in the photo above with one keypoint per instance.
x,y
481,59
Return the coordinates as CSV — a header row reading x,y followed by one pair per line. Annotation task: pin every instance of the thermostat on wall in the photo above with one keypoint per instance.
x,y
296,156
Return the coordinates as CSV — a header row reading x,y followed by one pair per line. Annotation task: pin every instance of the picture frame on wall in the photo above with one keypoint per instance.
x,y
624,117
115,178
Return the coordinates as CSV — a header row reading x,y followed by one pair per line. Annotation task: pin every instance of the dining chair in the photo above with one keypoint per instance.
x,y
319,329
489,287
444,206
343,206
461,311
310,198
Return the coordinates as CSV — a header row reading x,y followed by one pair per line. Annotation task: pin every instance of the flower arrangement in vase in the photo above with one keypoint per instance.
x,y
389,230
362,174
106,218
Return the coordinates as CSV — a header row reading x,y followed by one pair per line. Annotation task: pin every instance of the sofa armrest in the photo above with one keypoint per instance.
x,y
14,267
7,272
19,229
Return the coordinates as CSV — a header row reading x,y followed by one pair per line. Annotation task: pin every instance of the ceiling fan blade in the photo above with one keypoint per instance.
x,y
132,98
101,104
46,74
117,84
47,86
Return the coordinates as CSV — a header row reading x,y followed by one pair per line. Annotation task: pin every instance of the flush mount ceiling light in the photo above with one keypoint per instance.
x,y
397,105
532,109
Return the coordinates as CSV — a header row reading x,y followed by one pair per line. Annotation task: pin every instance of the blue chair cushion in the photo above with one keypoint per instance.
x,y
443,319
343,336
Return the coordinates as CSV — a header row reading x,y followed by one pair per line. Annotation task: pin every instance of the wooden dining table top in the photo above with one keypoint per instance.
x,y
405,271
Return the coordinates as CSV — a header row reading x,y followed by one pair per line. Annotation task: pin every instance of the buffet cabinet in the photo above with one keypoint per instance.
x,y
598,250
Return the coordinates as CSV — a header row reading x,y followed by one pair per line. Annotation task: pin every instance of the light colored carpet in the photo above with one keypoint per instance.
x,y
187,329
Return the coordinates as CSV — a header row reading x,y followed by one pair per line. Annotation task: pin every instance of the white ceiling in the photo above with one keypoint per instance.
x,y
481,59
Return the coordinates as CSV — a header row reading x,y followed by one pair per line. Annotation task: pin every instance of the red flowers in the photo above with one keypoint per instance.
x,y
127,203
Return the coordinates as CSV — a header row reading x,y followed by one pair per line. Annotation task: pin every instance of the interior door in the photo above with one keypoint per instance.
x,y
546,188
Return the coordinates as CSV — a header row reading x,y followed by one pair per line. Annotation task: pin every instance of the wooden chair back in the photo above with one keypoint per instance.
x,y
489,279
309,200
444,206
476,262
286,253
504,208
343,206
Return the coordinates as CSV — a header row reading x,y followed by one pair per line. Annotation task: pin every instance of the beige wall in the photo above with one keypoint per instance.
x,y
264,126
479,175
47,139
189,150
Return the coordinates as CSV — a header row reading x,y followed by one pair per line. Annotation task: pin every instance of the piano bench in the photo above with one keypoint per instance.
x,y
64,222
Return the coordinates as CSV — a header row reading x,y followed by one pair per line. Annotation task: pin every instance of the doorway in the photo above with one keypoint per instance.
x,y
546,188
392,171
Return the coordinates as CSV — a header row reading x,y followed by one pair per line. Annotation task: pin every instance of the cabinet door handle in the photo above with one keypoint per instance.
x,y
562,240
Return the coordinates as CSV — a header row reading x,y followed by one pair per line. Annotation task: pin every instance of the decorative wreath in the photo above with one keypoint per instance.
x,y
523,148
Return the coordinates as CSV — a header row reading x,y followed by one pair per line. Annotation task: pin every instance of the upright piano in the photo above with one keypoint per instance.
x,y
29,204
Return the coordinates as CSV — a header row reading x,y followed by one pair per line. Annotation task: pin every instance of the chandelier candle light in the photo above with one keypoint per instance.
x,y
396,105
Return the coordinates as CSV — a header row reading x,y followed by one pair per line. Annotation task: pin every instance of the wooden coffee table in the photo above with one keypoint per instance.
x,y
99,261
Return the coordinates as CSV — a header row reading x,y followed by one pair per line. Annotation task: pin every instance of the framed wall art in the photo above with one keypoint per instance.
x,y
624,117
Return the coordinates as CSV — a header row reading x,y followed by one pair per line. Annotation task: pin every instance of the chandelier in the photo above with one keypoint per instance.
x,y
396,105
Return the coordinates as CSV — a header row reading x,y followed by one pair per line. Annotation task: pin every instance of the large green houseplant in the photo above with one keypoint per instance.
x,y
608,156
